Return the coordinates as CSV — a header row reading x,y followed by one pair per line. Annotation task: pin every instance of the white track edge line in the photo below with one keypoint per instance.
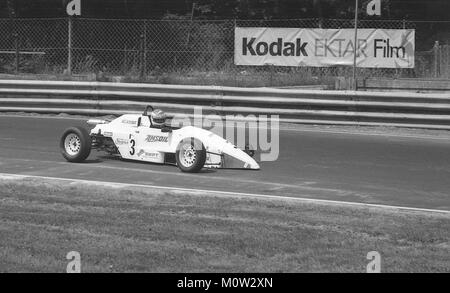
x,y
234,194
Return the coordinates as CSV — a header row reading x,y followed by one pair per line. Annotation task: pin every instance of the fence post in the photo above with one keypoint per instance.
x,y
17,52
142,52
436,59
356,47
447,60
271,74
236,75
69,46
190,28
145,49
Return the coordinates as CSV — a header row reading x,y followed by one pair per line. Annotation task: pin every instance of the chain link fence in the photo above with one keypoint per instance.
x,y
33,45
189,52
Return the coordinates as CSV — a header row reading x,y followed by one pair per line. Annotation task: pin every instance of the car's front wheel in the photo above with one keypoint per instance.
x,y
191,155
75,144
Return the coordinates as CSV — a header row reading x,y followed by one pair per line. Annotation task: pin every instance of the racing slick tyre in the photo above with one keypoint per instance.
x,y
191,155
75,144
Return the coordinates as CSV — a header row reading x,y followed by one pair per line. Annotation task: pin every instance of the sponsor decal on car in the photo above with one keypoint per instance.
x,y
121,141
133,122
151,155
145,154
155,138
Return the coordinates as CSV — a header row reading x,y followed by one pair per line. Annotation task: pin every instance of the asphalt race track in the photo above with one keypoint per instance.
x,y
399,171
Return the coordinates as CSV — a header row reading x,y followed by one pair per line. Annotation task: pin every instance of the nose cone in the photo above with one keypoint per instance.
x,y
252,164
237,159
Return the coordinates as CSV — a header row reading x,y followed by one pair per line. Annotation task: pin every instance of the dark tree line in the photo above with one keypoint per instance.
x,y
226,9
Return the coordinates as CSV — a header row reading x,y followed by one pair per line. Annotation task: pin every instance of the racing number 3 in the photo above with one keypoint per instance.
x,y
132,146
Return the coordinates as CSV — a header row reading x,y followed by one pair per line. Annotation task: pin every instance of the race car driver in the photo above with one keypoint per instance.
x,y
158,118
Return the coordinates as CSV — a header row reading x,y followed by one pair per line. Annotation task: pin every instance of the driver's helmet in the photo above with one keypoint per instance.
x,y
158,117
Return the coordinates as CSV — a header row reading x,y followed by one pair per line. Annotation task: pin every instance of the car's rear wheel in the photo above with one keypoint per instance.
x,y
75,144
191,155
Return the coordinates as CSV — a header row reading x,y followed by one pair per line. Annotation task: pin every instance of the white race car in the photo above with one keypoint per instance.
x,y
134,137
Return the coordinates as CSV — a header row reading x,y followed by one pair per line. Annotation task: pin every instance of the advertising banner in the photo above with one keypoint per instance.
x,y
376,48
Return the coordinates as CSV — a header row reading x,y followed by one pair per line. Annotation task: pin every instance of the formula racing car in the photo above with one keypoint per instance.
x,y
148,138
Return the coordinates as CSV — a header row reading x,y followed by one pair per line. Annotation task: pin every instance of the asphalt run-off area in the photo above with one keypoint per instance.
x,y
389,170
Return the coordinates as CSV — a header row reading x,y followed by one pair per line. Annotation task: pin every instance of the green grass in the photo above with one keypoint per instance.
x,y
145,230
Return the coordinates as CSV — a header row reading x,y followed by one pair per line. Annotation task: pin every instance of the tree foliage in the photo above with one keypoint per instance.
x,y
226,9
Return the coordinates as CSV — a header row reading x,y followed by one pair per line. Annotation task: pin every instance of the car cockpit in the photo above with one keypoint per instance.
x,y
154,119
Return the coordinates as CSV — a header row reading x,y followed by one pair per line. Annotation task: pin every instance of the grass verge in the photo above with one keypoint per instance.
x,y
144,230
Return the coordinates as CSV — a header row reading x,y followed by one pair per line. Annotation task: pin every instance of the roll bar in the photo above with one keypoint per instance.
x,y
146,110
